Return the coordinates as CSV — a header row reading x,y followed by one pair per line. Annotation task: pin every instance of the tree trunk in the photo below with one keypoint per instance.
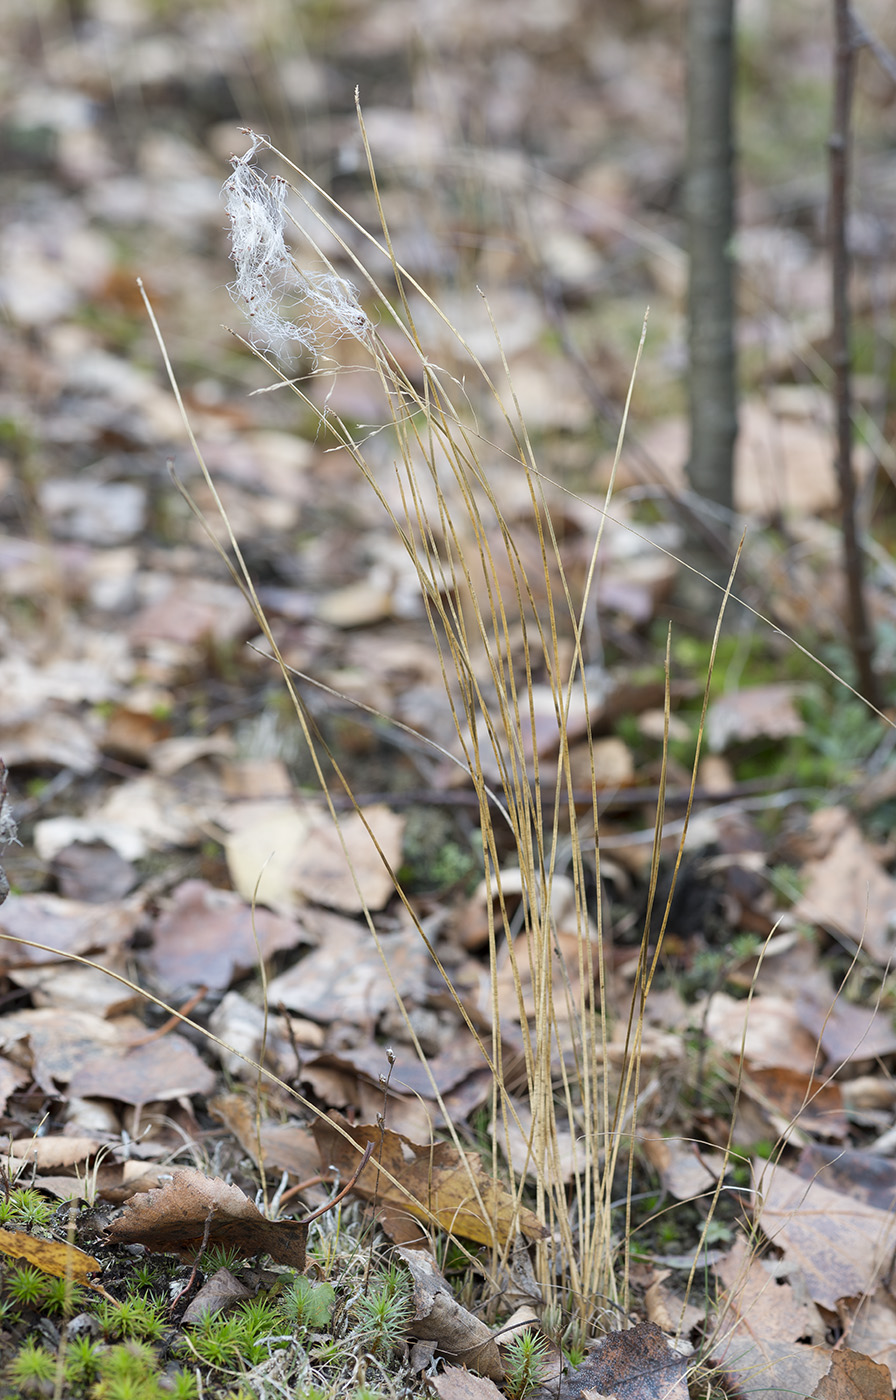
x,y
709,201
859,625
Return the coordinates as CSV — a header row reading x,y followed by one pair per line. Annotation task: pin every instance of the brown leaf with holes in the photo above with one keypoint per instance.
x,y
842,1245
440,1183
768,1332
174,1220
635,1364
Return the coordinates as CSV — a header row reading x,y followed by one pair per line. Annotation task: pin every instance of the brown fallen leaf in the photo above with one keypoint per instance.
x,y
12,1077
854,1377
211,936
457,1383
288,1147
191,1210
440,1318
66,925
762,710
869,1327
861,1175
51,1256
216,1294
791,1098
769,1332
440,1184
842,1245
165,1069
847,888
49,1152
686,1169
636,1364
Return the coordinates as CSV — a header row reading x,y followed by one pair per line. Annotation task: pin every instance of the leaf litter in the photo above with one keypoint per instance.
x,y
172,830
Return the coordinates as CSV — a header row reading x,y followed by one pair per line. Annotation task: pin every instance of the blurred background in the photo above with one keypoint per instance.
x,y
528,153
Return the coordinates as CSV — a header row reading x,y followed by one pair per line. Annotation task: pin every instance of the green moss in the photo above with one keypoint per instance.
x,y
32,1369
26,1285
136,1318
26,1207
82,1361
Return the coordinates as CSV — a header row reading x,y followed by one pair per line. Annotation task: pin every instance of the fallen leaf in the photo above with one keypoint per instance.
x,y
686,1169
65,925
284,853
92,871
796,1099
346,978
54,1047
245,1028
768,1330
635,1364
336,1081
841,1245
191,611
207,937
869,1326
217,1293
49,1152
457,1383
766,711
262,845
51,1256
859,1175
169,1068
174,1219
12,1077
766,1029
440,1318
441,1184
343,869
854,1377
71,987
847,888
288,1147
847,1033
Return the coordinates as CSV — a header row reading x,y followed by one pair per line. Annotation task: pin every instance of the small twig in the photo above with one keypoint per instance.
x,y
287,1021
322,1210
202,1248
305,1185
172,1022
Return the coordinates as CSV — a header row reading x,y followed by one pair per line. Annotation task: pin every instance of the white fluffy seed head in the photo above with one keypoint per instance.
x,y
325,307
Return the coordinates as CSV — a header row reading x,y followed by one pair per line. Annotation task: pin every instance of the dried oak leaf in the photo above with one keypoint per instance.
x,y
439,1183
175,1218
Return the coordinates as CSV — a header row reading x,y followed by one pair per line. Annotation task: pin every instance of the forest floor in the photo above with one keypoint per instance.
x,y
178,830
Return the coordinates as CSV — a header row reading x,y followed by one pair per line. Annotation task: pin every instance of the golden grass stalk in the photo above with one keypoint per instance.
x,y
498,624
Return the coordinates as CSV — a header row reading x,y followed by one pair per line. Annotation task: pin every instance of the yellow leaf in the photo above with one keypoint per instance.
x,y
52,1256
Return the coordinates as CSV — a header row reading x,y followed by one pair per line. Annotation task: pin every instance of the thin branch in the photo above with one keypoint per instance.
x,y
862,38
